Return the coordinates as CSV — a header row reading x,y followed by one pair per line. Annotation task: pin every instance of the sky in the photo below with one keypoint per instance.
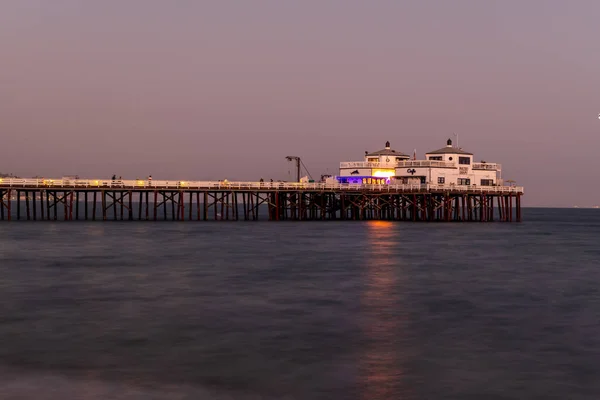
x,y
225,89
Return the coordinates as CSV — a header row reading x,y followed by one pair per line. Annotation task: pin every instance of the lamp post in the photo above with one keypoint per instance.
x,y
297,159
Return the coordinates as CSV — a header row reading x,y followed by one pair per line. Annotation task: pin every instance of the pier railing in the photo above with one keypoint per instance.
x,y
226,185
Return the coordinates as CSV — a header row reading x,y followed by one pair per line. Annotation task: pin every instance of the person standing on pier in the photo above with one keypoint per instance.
x,y
149,180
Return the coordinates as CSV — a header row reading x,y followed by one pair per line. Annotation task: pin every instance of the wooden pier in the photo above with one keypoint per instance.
x,y
142,200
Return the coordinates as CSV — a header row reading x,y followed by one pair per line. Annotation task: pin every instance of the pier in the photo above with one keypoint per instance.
x,y
143,200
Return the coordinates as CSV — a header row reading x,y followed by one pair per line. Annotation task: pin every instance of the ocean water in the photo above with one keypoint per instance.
x,y
302,310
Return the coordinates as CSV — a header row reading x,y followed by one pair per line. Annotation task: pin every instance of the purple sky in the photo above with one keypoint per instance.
x,y
219,89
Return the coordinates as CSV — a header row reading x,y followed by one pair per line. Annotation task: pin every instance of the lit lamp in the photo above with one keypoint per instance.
x,y
386,174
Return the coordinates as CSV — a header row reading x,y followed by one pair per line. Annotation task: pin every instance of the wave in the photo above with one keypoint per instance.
x,y
49,386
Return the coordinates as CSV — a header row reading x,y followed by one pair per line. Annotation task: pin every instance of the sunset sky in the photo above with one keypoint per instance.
x,y
192,89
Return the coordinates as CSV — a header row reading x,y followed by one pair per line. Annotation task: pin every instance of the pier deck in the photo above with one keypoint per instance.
x,y
96,199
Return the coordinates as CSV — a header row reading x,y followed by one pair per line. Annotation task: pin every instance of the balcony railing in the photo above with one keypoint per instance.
x,y
487,166
426,164
419,164
360,164
399,164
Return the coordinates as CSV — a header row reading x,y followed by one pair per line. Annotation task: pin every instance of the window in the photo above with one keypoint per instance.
x,y
487,182
464,160
464,181
441,180
435,158
450,158
373,159
398,159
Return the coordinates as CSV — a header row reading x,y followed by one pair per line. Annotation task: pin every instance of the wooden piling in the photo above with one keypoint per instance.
x,y
282,204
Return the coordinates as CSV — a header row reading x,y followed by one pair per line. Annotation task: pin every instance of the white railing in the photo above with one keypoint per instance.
x,y
427,163
400,164
475,188
203,185
360,164
487,166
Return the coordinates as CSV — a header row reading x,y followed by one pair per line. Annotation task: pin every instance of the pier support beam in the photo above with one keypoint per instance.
x,y
223,204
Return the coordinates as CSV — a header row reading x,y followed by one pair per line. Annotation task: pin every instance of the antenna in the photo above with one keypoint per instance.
x,y
456,136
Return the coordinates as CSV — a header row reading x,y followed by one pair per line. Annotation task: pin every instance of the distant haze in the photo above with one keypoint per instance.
x,y
227,89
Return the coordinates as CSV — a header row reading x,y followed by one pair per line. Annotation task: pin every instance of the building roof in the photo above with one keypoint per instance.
x,y
386,152
449,149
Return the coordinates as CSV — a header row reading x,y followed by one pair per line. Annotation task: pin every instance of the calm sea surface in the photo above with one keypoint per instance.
x,y
302,310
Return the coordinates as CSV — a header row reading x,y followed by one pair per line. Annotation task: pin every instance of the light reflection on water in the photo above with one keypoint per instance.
x,y
383,316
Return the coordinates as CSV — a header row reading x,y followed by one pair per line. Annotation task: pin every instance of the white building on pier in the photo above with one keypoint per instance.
x,y
377,168
450,165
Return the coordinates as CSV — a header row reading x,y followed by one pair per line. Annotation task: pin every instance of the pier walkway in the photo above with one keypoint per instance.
x,y
102,199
